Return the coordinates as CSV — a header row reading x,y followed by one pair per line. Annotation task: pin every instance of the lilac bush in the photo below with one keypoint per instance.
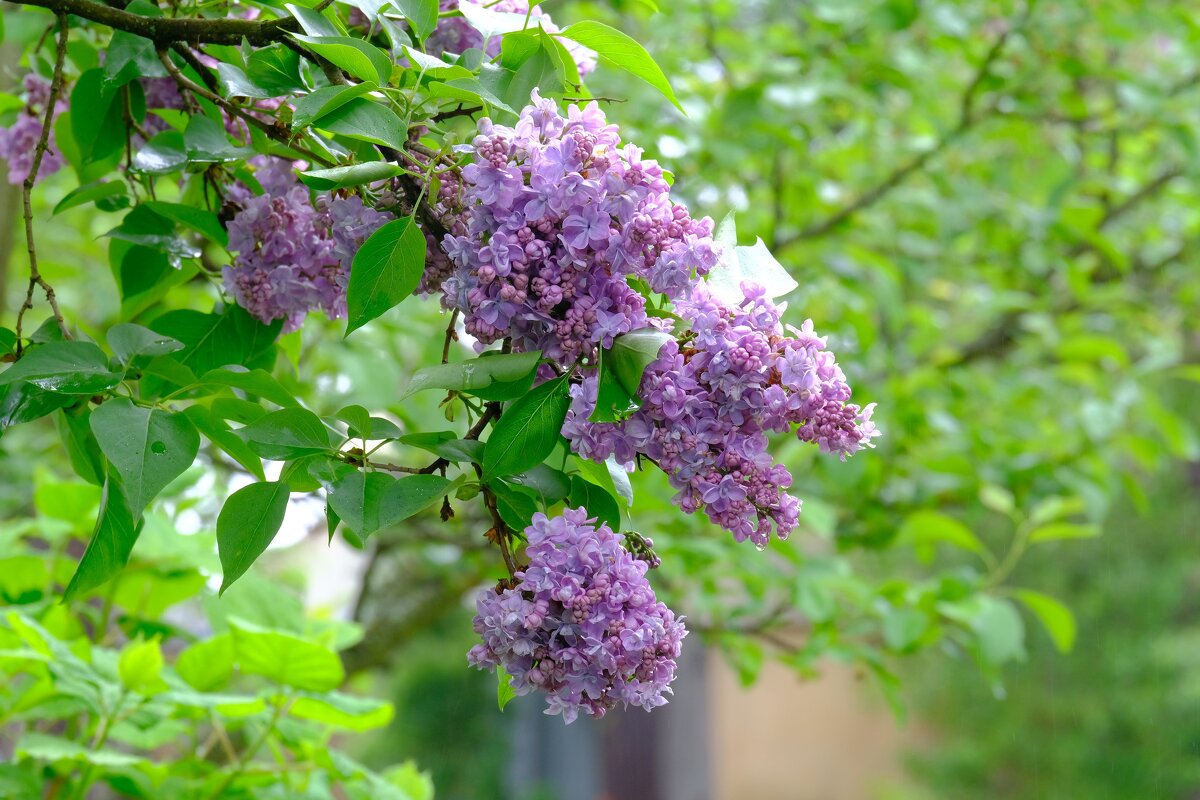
x,y
581,624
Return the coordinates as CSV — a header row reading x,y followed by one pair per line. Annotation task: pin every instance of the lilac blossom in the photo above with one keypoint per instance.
x,y
293,256
554,215
19,141
581,624
710,400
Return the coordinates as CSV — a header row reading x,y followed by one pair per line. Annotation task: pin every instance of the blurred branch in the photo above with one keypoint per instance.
x,y
967,119
1001,336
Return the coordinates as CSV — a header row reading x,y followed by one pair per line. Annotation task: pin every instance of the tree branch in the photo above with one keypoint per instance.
x,y
967,118
35,276
275,132
1001,336
166,30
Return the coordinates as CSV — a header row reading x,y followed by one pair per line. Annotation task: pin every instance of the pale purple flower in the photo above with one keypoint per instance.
x,y
293,256
19,141
582,625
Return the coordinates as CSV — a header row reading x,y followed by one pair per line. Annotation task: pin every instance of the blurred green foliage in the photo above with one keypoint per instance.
x,y
1118,718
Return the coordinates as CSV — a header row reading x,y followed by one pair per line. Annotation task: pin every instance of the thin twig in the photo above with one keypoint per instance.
x,y
273,131
451,336
967,119
35,275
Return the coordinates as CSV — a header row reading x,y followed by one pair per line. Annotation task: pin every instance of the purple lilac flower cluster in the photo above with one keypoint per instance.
x,y
582,624
18,142
293,256
709,401
558,214
455,34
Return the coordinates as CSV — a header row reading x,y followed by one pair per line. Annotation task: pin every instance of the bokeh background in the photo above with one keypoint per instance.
x,y
991,210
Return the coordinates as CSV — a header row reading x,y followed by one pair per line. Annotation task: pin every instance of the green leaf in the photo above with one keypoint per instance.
x,y
22,402
608,475
72,367
44,747
143,227
285,658
198,219
97,123
386,270
360,59
324,100
528,430
997,498
357,499
927,527
74,428
207,666
433,67
130,342
357,419
163,154
112,541
217,340
275,69
621,51
530,61
128,56
343,711
472,90
1055,617
91,192
504,690
549,484
598,502
492,23
253,381
1000,630
621,370
369,502
287,434
140,664
506,375
205,141
516,505
1063,530
366,120
1054,508
237,83
148,448
248,523
352,175
903,627
314,22
217,432
423,14
8,341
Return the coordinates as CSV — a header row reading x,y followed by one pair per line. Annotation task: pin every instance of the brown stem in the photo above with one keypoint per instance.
x,y
275,132
451,336
35,276
164,31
